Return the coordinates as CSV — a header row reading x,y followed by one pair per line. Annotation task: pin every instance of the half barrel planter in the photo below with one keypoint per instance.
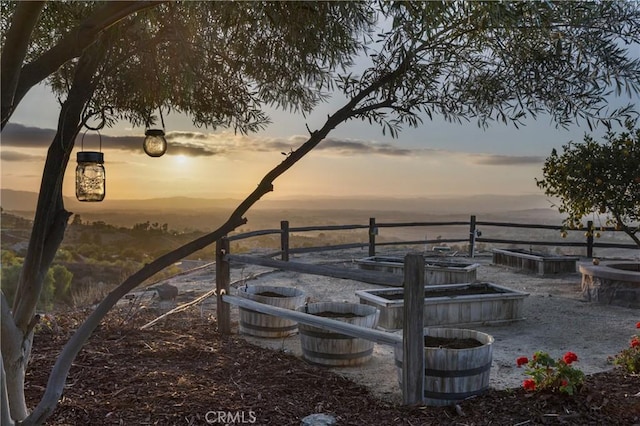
x,y
257,324
325,347
452,375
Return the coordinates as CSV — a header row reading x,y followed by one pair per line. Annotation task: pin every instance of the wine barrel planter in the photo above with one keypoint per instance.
x,y
452,375
324,347
262,325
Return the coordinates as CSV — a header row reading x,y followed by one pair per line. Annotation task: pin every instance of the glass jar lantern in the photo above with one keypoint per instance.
x,y
155,144
90,176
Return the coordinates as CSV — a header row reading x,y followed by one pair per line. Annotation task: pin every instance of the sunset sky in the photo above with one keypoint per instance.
x,y
437,159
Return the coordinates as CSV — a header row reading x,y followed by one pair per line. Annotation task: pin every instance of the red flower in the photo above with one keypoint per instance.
x,y
529,384
635,342
564,382
569,357
522,361
638,325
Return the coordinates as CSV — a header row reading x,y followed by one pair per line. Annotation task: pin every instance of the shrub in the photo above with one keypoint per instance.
x,y
549,374
629,358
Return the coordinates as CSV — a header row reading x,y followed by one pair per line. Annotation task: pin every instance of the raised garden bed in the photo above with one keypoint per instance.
x,y
612,283
435,271
536,262
450,304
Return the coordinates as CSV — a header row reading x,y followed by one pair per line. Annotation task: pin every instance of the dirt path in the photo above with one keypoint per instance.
x,y
556,320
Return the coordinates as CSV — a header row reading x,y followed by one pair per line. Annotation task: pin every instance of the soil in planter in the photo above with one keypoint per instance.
x,y
329,314
450,343
270,294
466,291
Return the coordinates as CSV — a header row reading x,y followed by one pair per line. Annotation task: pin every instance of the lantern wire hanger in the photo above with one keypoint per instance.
x,y
155,144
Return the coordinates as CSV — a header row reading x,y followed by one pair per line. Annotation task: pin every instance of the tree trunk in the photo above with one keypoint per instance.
x,y
13,369
49,225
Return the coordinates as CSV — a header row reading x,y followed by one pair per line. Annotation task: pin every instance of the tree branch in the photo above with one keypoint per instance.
x,y
70,46
23,22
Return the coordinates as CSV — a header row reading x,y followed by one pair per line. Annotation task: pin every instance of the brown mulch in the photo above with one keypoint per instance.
x,y
178,371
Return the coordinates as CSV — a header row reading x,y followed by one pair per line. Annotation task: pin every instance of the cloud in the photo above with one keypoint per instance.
x,y
26,137
198,144
504,160
19,156
350,146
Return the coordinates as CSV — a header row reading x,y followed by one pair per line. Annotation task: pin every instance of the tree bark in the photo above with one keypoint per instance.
x,y
12,393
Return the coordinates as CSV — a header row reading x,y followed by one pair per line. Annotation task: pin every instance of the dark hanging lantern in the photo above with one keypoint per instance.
x,y
155,144
90,174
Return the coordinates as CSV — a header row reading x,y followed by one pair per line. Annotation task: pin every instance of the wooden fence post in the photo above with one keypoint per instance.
x,y
590,238
412,331
223,279
284,240
373,231
472,236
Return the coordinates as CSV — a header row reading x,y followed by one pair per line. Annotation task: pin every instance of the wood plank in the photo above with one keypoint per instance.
x,y
371,277
373,335
412,331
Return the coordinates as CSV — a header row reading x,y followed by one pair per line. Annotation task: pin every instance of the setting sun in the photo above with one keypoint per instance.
x,y
180,159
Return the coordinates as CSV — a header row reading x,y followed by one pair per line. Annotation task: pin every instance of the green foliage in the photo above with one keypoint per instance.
x,y
62,282
56,287
10,279
629,358
9,258
499,61
592,178
45,302
218,62
549,374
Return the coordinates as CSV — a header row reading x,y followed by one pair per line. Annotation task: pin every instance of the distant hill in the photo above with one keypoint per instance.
x,y
11,200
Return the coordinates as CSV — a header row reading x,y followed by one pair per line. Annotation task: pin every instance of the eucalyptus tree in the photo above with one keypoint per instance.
x,y
484,61
218,62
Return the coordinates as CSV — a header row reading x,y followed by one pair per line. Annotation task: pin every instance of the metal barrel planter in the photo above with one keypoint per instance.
x,y
325,347
452,375
256,324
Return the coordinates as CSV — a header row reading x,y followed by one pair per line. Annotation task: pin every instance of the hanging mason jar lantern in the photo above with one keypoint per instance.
x,y
90,174
155,144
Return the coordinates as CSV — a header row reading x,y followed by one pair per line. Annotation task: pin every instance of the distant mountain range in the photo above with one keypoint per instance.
x,y
23,201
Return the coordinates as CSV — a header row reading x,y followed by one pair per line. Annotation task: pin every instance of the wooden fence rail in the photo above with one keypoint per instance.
x,y
472,238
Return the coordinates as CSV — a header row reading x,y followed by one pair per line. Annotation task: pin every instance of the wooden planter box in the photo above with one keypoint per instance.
x,y
450,304
530,261
435,271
